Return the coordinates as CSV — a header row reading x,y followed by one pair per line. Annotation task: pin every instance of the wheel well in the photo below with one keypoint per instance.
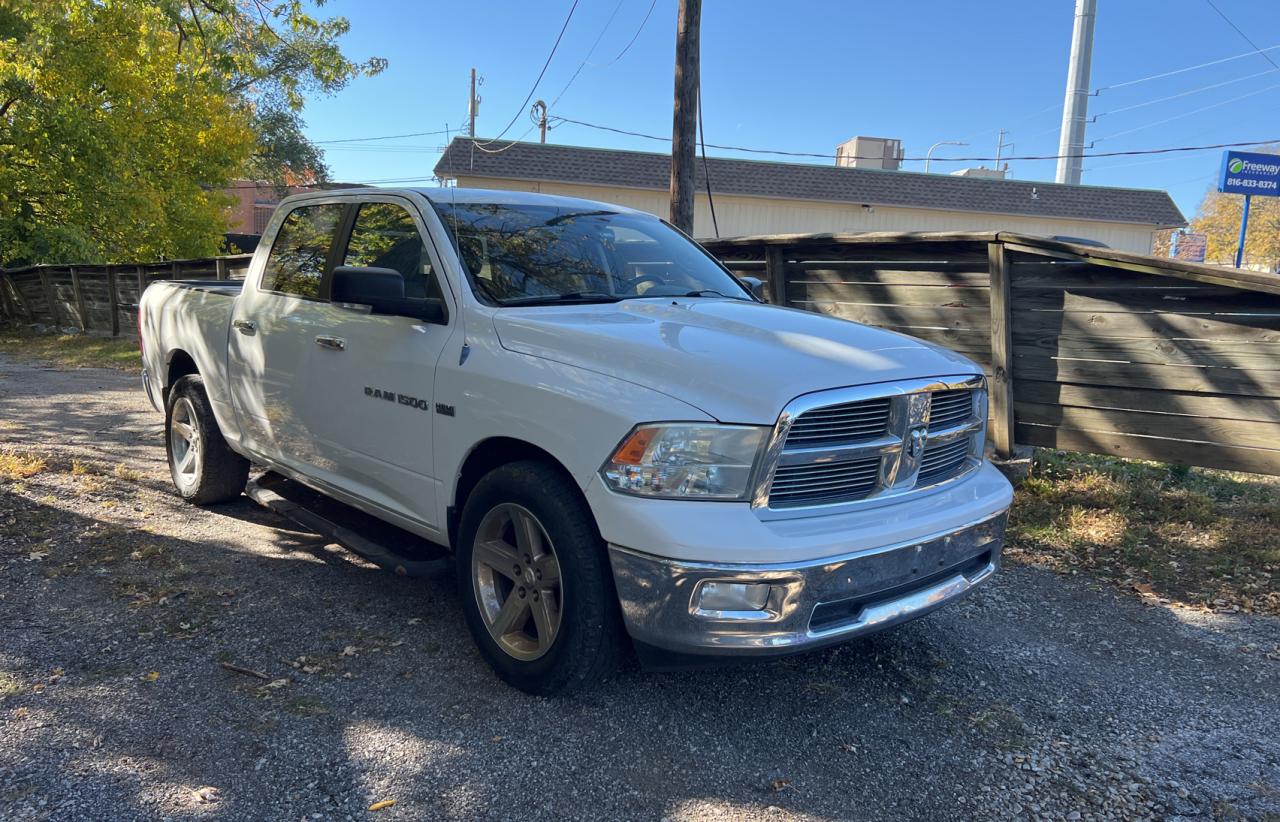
x,y
180,365
488,455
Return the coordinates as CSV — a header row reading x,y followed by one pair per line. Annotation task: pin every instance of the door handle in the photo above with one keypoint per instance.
x,y
248,327
334,343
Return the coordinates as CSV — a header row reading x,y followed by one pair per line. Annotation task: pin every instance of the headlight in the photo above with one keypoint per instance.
x,y
686,461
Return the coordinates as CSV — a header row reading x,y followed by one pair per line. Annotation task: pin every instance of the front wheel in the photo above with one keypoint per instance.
x,y
204,468
534,581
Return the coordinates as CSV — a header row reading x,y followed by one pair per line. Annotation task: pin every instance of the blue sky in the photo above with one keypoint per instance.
x,y
803,76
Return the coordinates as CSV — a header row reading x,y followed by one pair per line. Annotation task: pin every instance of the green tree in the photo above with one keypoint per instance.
x,y
123,121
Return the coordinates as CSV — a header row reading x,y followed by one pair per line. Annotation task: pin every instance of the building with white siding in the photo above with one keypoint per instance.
x,y
760,197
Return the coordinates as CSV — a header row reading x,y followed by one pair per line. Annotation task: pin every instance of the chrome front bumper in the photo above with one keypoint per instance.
x,y
808,604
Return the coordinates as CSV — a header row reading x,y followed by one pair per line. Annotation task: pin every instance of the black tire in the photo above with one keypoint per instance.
x,y
218,474
589,640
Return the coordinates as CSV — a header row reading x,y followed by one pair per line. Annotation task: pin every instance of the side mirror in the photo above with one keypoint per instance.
x,y
382,289
755,285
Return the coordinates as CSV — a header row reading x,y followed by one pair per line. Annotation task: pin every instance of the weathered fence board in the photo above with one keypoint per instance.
x,y
1089,349
92,297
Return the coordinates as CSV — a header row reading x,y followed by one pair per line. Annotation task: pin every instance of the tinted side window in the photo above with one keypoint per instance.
x,y
296,262
385,236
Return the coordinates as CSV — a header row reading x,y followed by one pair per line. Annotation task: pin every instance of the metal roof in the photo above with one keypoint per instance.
x,y
537,162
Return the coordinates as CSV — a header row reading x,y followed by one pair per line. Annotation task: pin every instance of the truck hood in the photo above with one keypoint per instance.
x,y
738,361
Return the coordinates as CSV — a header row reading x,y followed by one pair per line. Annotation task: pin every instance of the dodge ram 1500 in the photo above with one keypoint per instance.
x,y
609,431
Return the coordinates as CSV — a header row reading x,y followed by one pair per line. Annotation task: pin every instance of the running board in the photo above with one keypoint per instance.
x,y
358,532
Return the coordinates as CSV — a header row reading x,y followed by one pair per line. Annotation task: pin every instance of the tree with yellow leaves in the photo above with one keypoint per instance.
x,y
123,121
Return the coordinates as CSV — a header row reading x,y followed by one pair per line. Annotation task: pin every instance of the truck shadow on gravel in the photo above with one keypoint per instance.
x,y
1031,693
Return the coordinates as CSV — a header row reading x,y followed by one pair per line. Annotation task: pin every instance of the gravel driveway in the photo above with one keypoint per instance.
x,y
119,605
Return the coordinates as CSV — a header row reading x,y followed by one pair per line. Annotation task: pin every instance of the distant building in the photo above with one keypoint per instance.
x,y
983,172
763,197
255,202
870,152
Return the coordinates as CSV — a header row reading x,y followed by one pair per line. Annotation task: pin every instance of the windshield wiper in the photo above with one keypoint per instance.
x,y
710,292
573,215
569,297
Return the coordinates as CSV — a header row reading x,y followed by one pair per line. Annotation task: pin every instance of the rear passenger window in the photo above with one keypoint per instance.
x,y
296,263
385,236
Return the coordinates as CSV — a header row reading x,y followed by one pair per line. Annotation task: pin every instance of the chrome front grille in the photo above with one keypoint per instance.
x,y
942,460
851,445
948,408
827,483
848,422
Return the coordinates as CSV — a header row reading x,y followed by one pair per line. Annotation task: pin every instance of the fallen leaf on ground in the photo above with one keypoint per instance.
x,y
1144,588
151,676
206,795
350,650
276,683
383,803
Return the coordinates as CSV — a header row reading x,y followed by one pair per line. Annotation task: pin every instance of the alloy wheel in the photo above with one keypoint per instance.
x,y
184,444
516,577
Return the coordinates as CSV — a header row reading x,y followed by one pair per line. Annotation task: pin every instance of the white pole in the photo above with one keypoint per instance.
x,y
1075,109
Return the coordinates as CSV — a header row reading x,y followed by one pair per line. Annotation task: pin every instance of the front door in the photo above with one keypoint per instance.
x,y
371,380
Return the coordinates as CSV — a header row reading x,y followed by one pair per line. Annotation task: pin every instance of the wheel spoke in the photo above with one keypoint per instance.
x,y
184,430
188,461
497,555
544,618
510,617
528,533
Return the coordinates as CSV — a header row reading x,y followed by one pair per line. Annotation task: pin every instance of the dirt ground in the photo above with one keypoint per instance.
x,y
1042,695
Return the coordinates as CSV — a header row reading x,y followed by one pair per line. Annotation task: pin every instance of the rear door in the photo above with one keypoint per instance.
x,y
372,377
273,334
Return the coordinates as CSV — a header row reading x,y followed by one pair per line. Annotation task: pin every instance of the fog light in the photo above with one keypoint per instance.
x,y
732,596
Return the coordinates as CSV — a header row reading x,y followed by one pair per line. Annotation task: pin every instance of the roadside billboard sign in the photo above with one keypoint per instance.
x,y
1245,172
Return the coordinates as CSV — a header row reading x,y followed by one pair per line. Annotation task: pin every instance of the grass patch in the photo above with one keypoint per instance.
x,y
17,465
71,350
10,685
1193,536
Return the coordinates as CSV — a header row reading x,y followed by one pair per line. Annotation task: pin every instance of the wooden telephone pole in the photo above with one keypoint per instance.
x,y
473,107
684,123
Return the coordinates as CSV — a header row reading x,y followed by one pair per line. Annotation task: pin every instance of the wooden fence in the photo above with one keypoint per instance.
x,y
93,297
1086,349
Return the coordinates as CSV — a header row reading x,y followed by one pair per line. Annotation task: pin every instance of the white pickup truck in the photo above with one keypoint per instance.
x,y
609,431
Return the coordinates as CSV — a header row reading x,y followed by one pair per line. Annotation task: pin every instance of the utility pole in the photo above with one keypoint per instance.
x,y
1001,145
1075,109
473,106
539,112
684,120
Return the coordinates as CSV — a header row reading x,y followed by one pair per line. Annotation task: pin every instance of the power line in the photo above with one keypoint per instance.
x,y
541,74
632,41
1162,75
382,137
1187,113
1240,32
1184,93
825,156
590,51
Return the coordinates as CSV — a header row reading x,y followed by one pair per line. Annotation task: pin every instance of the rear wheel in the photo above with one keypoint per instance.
x,y
535,582
204,468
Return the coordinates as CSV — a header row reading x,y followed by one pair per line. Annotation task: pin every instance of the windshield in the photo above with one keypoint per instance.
x,y
543,254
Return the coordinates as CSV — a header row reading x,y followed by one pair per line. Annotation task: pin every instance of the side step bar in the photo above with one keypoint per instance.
x,y
358,532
